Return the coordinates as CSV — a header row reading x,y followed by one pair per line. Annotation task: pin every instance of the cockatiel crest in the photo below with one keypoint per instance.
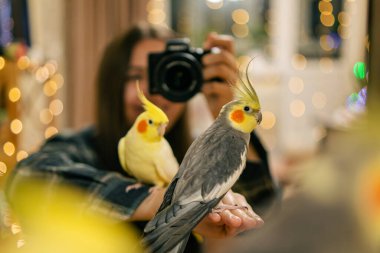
x,y
244,112
144,152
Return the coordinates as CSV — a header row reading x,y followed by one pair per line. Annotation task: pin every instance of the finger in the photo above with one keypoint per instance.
x,y
241,201
223,57
214,218
230,220
221,71
220,40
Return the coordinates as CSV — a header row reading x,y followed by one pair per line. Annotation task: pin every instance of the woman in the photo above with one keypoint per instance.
x,y
88,159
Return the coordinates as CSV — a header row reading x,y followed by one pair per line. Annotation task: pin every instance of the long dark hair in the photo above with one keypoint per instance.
x,y
111,123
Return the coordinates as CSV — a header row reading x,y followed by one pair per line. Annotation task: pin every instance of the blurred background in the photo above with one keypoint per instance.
x,y
304,54
310,66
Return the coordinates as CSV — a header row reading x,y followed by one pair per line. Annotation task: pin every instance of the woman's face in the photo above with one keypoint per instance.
x,y
138,70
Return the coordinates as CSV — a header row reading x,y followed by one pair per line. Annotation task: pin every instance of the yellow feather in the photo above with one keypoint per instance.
x,y
155,112
146,155
245,91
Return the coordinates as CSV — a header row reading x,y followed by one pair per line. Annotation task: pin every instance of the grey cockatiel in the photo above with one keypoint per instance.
x,y
209,169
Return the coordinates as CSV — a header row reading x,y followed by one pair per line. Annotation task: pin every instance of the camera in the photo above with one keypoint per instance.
x,y
176,73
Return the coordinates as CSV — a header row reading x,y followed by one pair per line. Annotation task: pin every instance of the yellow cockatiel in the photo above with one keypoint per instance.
x,y
144,153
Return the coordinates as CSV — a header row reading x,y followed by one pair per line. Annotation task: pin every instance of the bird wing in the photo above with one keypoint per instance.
x,y
174,224
122,156
210,167
165,162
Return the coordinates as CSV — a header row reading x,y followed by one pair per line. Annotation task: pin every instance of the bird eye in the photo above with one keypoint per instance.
x,y
150,122
247,109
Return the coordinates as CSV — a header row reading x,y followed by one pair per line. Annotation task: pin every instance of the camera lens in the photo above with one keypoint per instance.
x,y
179,77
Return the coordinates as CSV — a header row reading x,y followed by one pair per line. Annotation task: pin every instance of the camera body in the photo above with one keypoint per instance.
x,y
176,73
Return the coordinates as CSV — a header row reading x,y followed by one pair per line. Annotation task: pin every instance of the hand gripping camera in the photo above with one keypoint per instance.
x,y
176,73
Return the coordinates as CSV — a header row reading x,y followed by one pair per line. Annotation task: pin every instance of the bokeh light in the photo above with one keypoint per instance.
x,y
326,65
46,116
9,148
151,5
42,74
325,8
296,85
50,131
16,126
23,62
15,228
156,16
14,94
269,120
50,88
344,19
359,70
327,20
2,62
51,66
319,100
58,79
344,32
240,16
21,155
214,4
327,42
299,61
297,108
56,107
3,168
240,31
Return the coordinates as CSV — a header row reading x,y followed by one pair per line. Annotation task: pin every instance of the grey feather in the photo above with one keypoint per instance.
x,y
208,170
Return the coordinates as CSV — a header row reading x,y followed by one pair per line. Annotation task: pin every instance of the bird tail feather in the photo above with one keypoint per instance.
x,y
170,228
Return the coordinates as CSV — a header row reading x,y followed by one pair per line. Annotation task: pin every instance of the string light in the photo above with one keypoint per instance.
x,y
3,168
9,148
50,131
46,116
21,155
56,107
2,62
16,126
51,80
14,94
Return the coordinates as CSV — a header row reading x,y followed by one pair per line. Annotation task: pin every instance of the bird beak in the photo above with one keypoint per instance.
x,y
259,118
161,129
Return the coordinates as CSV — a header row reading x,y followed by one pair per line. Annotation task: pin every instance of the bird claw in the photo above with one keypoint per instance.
x,y
222,208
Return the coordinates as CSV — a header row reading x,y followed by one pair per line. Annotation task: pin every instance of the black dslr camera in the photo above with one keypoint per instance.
x,y
176,73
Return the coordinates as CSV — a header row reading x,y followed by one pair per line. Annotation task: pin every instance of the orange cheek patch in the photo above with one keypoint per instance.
x,y
142,126
237,116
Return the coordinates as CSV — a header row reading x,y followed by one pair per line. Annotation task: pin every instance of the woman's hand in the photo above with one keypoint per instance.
x,y
221,65
215,225
149,206
229,222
